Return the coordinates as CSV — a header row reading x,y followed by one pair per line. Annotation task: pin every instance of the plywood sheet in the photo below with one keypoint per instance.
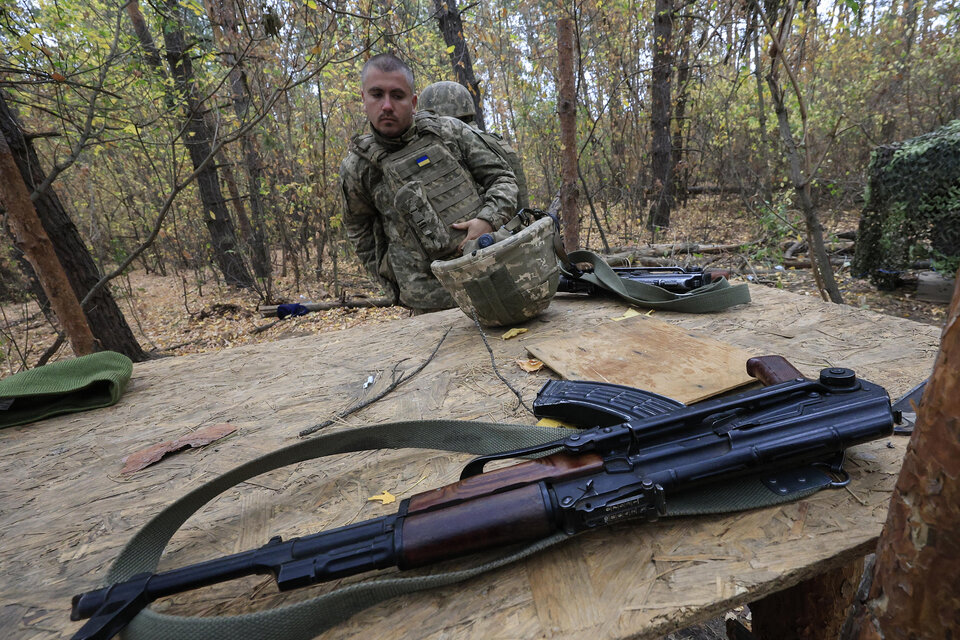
x,y
648,354
66,510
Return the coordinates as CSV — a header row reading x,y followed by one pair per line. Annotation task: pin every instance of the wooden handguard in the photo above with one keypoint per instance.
x,y
519,515
555,467
498,507
772,370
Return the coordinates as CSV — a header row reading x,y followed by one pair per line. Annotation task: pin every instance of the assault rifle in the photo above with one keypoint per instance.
x,y
643,450
675,279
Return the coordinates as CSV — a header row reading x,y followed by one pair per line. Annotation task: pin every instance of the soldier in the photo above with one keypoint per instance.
x,y
417,186
454,100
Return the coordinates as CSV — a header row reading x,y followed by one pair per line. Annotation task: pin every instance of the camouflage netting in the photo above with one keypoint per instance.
x,y
912,209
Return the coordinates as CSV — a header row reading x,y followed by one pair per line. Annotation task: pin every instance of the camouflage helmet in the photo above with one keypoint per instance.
x,y
507,282
448,99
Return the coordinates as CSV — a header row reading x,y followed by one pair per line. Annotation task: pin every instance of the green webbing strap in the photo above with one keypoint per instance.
x,y
307,619
716,296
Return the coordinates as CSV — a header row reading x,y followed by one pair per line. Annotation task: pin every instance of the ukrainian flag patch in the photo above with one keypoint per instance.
x,y
423,161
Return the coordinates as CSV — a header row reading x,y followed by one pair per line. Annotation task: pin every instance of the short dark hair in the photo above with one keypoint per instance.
x,y
387,62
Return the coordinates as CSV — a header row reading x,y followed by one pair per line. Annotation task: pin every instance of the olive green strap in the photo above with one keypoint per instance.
x,y
307,619
716,296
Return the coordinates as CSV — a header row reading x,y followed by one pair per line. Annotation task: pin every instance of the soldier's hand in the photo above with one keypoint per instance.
x,y
474,227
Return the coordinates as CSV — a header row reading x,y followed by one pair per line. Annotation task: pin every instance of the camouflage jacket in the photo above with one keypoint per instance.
x,y
382,236
508,153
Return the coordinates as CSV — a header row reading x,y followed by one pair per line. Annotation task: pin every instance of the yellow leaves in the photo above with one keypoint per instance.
x,y
550,422
316,49
312,5
629,313
131,129
513,333
383,498
25,42
451,48
529,365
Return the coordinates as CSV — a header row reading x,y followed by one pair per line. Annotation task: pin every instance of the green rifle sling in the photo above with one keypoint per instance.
x,y
716,296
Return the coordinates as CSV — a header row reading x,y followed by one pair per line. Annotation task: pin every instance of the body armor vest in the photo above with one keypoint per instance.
x,y
431,188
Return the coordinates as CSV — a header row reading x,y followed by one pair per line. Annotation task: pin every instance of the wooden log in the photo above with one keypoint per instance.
x,y
933,287
270,310
671,251
797,263
701,189
801,247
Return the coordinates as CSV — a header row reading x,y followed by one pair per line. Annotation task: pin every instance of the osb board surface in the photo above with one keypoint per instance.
x,y
65,511
649,354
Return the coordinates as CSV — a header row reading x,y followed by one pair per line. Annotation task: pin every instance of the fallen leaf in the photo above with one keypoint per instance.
x,y
385,498
512,333
629,313
550,422
199,438
530,365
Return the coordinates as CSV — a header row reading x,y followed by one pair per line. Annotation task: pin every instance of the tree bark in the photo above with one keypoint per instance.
x,y
800,178
224,18
764,142
31,238
661,156
916,581
451,28
198,138
104,317
680,112
567,109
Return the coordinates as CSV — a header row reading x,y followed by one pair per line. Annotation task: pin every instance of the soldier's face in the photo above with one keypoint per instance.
x,y
389,101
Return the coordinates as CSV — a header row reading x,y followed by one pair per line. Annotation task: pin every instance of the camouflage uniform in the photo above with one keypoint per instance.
x,y
452,99
396,246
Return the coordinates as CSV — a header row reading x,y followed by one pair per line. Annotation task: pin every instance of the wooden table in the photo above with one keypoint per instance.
x,y
65,510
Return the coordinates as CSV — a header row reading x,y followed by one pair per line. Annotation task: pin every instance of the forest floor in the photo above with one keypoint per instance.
x,y
181,313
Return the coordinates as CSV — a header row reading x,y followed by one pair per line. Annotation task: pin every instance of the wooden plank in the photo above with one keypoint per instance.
x,y
67,512
648,354
933,287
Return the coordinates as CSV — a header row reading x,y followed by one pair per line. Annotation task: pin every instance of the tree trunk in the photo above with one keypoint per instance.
x,y
683,80
567,109
31,238
104,317
661,156
801,169
766,185
451,28
800,177
916,581
197,140
225,21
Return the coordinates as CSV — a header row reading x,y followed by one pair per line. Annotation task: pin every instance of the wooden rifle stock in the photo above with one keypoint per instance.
x,y
772,370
